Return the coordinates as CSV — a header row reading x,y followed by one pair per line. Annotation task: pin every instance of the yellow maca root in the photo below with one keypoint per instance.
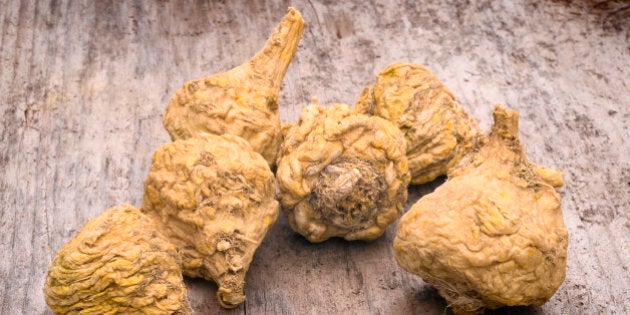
x,y
437,130
342,174
214,198
117,263
242,101
492,235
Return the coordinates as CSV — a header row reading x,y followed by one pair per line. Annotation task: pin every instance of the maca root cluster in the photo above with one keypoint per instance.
x,y
209,198
492,235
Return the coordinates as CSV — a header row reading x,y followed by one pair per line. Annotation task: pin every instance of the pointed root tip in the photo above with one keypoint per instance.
x,y
551,177
228,298
294,15
505,121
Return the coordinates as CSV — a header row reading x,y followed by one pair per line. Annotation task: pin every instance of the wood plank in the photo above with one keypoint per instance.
x,y
83,86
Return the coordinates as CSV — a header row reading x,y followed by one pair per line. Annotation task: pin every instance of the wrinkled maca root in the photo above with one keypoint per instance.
x,y
242,101
438,132
492,235
118,262
214,198
342,174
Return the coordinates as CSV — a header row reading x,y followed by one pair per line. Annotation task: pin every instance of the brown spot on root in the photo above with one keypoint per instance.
x,y
347,192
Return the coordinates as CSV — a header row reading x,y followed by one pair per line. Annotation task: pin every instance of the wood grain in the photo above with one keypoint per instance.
x,y
83,85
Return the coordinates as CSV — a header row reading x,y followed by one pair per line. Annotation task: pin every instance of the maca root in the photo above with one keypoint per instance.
x,y
492,235
342,174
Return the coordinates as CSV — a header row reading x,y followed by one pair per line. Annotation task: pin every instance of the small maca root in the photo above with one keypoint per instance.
x,y
242,101
118,262
438,132
492,235
213,197
342,174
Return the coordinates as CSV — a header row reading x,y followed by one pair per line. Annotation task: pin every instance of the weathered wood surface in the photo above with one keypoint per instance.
x,y
83,85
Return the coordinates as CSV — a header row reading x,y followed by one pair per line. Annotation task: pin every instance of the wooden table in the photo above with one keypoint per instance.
x,y
83,85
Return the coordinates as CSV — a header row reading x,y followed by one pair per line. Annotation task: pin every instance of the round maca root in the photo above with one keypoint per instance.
x,y
242,101
117,263
492,235
341,174
437,131
214,198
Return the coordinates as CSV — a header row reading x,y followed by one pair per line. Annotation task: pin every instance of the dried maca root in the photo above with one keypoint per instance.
x,y
438,131
342,174
117,263
214,198
242,101
492,235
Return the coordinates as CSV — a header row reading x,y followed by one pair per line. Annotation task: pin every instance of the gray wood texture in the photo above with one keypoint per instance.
x,y
83,85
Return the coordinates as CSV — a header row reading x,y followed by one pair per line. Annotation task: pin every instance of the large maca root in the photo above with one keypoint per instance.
x,y
437,130
117,263
492,235
342,174
242,101
214,198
